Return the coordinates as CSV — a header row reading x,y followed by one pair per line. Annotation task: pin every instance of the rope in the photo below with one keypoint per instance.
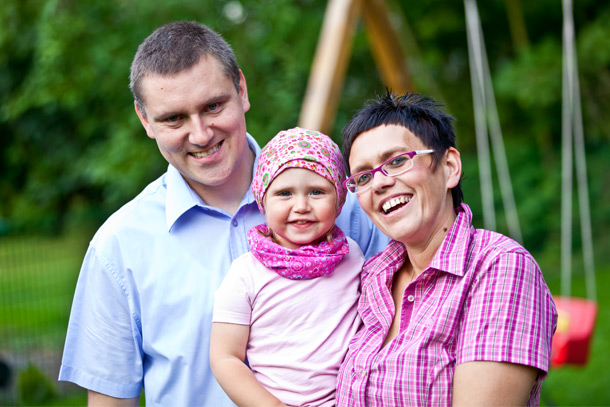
x,y
572,130
478,99
486,113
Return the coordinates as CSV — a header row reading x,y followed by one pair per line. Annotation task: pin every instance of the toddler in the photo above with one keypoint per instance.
x,y
289,306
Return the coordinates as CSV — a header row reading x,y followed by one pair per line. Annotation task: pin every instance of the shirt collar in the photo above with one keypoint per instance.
x,y
453,252
181,197
451,255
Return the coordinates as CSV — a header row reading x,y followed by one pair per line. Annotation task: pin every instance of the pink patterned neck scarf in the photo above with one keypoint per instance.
x,y
306,262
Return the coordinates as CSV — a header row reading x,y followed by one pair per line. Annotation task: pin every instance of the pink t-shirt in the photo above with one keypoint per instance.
x,y
299,329
482,298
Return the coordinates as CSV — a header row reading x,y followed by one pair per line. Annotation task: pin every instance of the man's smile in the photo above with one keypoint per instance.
x,y
202,154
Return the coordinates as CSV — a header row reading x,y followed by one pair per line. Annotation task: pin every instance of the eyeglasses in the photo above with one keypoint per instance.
x,y
392,167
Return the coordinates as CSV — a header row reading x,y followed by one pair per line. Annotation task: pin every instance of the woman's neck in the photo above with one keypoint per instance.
x,y
420,255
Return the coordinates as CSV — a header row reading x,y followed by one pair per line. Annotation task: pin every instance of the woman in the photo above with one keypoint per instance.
x,y
451,314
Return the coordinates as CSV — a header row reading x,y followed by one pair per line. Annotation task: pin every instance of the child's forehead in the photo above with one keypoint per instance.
x,y
297,176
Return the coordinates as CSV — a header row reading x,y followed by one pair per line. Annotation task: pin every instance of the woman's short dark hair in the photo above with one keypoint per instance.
x,y
420,114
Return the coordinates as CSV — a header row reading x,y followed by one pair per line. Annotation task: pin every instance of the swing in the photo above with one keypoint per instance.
x,y
577,316
576,319
486,113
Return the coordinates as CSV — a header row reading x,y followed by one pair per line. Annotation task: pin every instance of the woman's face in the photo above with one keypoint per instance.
x,y
412,207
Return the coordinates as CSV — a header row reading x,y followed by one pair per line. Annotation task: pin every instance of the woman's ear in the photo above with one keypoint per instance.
x,y
453,167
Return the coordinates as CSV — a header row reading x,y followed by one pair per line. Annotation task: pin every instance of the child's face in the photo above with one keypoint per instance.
x,y
300,207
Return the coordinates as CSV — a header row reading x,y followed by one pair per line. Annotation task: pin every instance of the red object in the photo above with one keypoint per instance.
x,y
575,326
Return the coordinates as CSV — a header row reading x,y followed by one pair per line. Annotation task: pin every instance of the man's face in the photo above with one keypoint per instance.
x,y
198,119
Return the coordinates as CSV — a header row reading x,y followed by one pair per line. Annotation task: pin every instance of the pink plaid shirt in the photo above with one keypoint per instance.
x,y
482,298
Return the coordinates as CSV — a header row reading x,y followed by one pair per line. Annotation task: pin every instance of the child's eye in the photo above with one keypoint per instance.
x,y
317,192
283,193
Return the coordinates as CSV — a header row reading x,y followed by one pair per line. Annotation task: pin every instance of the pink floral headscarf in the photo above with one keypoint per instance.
x,y
299,148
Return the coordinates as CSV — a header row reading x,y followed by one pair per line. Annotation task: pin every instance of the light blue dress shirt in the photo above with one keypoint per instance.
x,y
142,310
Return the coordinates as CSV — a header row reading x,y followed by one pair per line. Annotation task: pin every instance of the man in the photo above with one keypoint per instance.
x,y
142,310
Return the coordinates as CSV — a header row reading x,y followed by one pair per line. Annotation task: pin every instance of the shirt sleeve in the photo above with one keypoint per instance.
x,y
232,301
103,349
357,225
510,315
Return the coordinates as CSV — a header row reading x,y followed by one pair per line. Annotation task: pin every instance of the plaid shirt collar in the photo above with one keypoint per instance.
x,y
451,257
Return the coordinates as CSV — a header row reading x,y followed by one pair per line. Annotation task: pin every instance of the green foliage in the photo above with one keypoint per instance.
x,y
575,385
72,150
34,387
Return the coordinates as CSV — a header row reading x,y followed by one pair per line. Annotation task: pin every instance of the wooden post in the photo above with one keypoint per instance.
x,y
329,65
333,52
386,47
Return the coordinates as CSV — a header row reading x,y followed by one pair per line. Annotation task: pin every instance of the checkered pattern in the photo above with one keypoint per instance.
x,y
482,298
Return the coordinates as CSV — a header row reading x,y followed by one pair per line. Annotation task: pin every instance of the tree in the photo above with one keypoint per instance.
x,y
73,149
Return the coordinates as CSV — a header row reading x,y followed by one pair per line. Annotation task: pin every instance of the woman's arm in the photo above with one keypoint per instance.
x,y
227,354
505,342
492,384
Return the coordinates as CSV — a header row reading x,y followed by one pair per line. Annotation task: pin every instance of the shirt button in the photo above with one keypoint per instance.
x,y
234,223
411,298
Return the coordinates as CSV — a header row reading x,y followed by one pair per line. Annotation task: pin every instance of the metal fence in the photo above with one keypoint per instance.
x,y
37,279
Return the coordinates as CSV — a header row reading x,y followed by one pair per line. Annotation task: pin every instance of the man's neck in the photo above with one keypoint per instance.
x,y
229,195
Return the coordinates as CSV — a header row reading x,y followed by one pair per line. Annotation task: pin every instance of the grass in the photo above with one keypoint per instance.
x,y
37,280
584,385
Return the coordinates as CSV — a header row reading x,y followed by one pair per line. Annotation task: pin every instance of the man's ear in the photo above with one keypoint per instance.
x,y
453,167
144,120
243,92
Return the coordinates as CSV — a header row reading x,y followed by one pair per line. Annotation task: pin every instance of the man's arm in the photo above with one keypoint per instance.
x,y
492,384
227,354
102,400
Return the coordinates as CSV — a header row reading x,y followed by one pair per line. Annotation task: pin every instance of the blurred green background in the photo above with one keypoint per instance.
x,y
72,149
